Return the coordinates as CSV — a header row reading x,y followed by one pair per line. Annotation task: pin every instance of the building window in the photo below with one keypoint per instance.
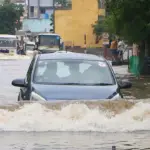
x,y
45,12
101,18
101,4
32,11
42,10
63,4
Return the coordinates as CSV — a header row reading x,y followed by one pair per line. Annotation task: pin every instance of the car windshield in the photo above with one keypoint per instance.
x,y
73,72
49,42
8,42
30,47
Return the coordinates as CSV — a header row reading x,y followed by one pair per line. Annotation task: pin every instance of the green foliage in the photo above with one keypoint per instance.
x,y
98,28
127,18
52,23
131,18
107,25
7,2
10,17
102,26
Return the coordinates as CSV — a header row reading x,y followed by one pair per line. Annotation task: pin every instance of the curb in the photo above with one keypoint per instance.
x,y
8,57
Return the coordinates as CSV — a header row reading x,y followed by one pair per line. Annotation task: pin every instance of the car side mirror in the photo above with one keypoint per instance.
x,y
19,83
124,84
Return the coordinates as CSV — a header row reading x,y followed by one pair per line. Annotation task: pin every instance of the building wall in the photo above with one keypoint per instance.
x,y
33,3
43,3
73,24
39,16
36,25
1,1
40,8
17,1
46,3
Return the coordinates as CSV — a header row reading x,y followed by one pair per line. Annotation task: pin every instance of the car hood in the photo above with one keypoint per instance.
x,y
67,92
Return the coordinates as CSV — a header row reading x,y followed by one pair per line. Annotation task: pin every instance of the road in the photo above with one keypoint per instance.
x,y
73,127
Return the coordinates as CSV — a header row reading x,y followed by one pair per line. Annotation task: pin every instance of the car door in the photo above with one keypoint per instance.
x,y
26,91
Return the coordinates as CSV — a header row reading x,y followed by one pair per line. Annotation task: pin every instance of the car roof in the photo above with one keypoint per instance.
x,y
8,36
70,55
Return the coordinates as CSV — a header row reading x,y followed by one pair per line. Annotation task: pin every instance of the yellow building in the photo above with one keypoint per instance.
x,y
73,24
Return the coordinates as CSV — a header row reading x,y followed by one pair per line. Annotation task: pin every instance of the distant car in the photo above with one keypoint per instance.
x,y
69,76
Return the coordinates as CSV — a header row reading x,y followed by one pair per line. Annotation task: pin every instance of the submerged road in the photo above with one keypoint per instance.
x,y
101,130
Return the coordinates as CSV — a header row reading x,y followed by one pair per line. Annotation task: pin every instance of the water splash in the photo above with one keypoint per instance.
x,y
14,57
106,117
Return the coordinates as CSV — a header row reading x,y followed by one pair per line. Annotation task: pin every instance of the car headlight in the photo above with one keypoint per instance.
x,y
116,97
36,97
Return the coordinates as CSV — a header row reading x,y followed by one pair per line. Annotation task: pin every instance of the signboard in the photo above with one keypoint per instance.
x,y
18,1
105,37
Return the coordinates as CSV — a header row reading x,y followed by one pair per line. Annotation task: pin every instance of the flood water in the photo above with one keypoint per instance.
x,y
74,126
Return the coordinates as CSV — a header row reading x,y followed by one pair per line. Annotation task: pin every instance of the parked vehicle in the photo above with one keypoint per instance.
x,y
8,44
69,76
49,43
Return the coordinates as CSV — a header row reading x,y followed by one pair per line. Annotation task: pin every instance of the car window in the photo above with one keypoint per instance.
x,y
28,76
71,71
62,70
30,47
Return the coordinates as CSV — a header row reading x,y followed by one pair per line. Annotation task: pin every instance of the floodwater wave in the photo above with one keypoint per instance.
x,y
117,116
13,57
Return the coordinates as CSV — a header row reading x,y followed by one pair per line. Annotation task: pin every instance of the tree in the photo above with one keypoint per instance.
x,y
10,17
129,19
102,26
52,23
7,2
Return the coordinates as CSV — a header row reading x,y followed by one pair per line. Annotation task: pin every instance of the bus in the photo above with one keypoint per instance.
x,y
8,44
49,42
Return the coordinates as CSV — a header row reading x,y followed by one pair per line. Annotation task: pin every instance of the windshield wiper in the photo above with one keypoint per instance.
x,y
72,83
102,84
90,84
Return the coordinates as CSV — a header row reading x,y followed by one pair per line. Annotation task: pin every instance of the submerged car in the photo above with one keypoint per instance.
x,y
69,76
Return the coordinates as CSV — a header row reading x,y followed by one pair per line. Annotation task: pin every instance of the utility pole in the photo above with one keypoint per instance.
x,y
85,43
38,9
28,9
54,16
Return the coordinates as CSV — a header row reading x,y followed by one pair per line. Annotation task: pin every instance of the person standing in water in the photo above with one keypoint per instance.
x,y
113,49
121,48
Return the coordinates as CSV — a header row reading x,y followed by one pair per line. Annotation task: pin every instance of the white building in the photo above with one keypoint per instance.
x,y
39,13
40,8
